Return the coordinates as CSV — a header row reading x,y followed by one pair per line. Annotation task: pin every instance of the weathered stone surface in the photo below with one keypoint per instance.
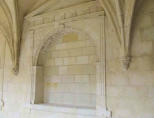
x,y
73,61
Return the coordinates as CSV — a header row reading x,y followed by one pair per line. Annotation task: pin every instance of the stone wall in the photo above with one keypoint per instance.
x,y
66,51
129,93
69,69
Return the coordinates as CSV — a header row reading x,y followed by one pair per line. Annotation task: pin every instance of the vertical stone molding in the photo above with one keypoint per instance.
x,y
2,69
102,110
36,95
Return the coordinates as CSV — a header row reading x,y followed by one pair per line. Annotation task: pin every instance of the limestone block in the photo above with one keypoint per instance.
x,y
93,82
141,78
113,65
71,37
50,62
145,19
55,54
125,102
55,79
63,70
46,20
58,98
71,45
149,104
123,113
51,86
77,44
69,98
82,69
152,18
142,63
38,22
92,76
82,60
150,92
82,78
117,78
93,88
127,91
84,100
114,91
64,53
135,91
147,33
82,88
112,48
67,79
143,48
89,51
89,43
59,61
69,60
92,59
76,52
68,87
61,46
51,70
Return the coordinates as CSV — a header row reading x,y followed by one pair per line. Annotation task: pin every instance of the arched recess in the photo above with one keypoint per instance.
x,y
74,80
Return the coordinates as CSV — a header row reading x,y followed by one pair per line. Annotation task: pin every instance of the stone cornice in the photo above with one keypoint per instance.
x,y
85,10
63,21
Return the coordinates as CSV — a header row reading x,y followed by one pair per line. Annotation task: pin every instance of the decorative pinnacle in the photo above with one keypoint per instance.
x,y
125,62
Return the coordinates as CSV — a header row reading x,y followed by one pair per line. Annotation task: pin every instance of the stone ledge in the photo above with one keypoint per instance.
x,y
64,109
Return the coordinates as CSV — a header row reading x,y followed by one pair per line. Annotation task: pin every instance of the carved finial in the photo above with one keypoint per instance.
x,y
125,62
15,69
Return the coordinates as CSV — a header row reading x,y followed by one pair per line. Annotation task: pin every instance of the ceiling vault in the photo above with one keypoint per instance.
x,y
46,5
120,13
10,27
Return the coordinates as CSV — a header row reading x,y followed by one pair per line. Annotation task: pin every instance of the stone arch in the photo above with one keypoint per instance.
x,y
53,38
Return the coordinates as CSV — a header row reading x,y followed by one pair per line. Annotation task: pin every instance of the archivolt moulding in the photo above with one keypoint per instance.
x,y
54,37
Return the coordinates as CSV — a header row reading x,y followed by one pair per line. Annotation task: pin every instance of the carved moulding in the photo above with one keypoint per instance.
x,y
70,13
60,29
120,13
51,38
10,28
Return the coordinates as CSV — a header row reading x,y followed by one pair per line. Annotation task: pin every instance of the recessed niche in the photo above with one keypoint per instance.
x,y
66,73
